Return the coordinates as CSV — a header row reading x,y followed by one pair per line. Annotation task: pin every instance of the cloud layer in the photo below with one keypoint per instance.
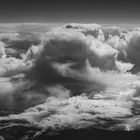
x,y
76,76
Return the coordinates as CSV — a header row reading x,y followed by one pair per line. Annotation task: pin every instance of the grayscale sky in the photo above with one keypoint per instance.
x,y
103,12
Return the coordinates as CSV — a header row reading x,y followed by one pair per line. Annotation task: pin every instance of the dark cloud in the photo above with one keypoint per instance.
x,y
129,49
66,51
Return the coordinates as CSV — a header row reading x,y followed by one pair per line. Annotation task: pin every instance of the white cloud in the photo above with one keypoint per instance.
x,y
10,66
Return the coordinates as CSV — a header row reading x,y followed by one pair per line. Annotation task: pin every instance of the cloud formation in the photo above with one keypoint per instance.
x,y
77,76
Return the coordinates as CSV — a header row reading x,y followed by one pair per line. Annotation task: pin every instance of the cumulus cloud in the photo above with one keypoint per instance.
x,y
2,50
132,49
11,66
64,53
128,47
113,31
118,38
78,63
80,75
87,29
70,46
7,36
64,56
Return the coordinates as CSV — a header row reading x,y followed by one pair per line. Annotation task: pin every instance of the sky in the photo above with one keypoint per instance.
x,y
53,11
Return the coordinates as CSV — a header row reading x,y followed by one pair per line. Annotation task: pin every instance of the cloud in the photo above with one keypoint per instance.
x,y
128,48
82,26
70,46
62,59
11,66
113,31
117,42
74,113
127,45
87,29
77,62
78,76
58,91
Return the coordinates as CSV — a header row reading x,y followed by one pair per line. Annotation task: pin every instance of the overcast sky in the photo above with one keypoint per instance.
x,y
104,11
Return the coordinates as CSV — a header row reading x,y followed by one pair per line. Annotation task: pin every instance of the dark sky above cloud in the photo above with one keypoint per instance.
x,y
69,11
